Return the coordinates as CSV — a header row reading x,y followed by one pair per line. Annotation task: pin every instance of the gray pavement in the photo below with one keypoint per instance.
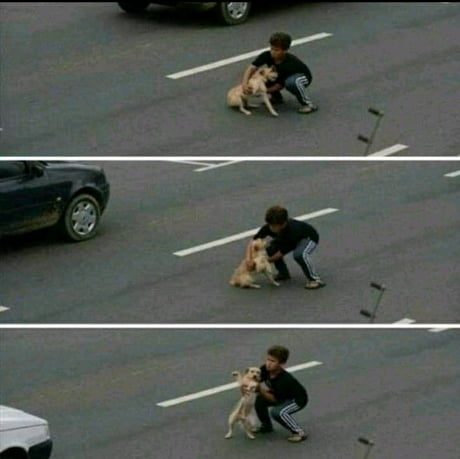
x,y
99,389
396,223
86,79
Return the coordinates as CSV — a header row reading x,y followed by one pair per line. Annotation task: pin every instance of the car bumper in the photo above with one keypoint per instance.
x,y
41,450
105,192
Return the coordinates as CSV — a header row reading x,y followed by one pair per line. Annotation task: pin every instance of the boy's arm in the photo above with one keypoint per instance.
x,y
250,264
275,87
246,76
266,393
275,257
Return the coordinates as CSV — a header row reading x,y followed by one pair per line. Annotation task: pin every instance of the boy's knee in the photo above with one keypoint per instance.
x,y
275,413
290,82
297,255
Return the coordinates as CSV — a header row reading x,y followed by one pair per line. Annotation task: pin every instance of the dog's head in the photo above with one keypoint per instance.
x,y
268,73
252,373
258,245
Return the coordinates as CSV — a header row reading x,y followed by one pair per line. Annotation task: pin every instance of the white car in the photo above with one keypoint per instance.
x,y
23,436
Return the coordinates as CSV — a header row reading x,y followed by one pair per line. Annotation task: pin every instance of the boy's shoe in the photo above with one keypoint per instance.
x,y
297,438
263,428
282,277
312,285
305,109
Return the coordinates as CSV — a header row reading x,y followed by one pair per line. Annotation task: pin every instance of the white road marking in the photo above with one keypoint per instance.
x,y
3,308
405,321
179,159
452,174
220,326
193,163
244,234
241,57
215,166
216,390
433,330
390,150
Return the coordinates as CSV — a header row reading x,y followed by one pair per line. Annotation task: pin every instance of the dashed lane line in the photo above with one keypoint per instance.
x,y
390,150
215,166
433,330
245,234
452,174
241,57
225,387
405,321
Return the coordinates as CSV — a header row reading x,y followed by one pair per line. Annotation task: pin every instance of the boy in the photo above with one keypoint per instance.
x,y
293,74
289,235
283,393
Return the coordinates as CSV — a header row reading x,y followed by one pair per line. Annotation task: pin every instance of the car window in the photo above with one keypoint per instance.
x,y
9,169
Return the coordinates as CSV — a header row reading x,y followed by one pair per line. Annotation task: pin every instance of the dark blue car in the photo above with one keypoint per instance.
x,y
39,194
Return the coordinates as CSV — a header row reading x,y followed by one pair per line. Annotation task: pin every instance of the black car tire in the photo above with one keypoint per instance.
x,y
88,223
232,13
133,7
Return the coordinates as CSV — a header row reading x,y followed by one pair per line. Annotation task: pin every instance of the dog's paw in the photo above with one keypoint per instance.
x,y
229,435
250,435
276,284
275,113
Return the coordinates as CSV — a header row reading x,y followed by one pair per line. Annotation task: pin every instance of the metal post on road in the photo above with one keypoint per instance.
x,y
370,140
372,315
369,445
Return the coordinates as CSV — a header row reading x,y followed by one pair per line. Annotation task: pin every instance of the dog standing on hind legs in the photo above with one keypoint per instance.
x,y
257,256
257,83
244,412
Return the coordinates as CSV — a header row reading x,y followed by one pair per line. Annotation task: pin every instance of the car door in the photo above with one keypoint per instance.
x,y
26,198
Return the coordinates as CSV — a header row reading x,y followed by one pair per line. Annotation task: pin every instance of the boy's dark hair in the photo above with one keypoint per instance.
x,y
276,215
279,352
281,40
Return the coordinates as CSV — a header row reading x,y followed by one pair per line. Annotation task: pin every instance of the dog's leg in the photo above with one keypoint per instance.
x,y
247,428
242,109
231,421
270,277
268,104
252,285
229,434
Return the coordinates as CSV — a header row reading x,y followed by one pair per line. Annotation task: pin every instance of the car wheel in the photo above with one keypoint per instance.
x,y
232,13
133,7
81,218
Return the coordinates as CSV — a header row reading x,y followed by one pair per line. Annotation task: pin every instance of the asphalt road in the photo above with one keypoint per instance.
x,y
99,389
395,223
87,79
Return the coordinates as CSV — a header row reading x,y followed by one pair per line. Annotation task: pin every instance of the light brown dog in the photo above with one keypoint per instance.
x,y
237,98
257,256
244,412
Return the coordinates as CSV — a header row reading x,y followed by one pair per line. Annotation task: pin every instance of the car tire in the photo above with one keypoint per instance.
x,y
232,13
133,7
81,218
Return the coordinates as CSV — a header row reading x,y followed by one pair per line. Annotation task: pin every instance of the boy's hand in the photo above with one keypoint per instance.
x,y
250,265
246,88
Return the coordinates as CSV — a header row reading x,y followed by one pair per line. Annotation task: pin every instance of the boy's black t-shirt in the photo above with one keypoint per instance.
x,y
294,232
290,65
285,387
